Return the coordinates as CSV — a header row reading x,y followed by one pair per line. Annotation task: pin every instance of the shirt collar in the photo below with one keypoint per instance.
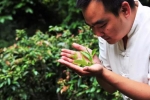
x,y
136,21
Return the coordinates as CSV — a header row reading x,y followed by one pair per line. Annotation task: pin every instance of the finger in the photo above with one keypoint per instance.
x,y
90,70
68,51
95,69
87,68
66,54
67,59
70,65
80,47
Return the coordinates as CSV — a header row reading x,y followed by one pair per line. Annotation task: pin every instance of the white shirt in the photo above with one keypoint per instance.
x,y
134,62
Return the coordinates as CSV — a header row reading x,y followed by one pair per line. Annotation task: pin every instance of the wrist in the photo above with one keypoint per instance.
x,y
100,73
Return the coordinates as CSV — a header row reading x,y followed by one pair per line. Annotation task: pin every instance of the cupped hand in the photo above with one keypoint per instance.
x,y
67,60
93,70
68,54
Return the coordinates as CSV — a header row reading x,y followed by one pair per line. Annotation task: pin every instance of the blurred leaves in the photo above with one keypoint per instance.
x,y
29,69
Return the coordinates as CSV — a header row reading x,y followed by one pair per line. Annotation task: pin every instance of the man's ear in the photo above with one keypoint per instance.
x,y
125,9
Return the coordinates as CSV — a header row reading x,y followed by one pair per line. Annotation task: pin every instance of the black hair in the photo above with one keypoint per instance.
x,y
110,5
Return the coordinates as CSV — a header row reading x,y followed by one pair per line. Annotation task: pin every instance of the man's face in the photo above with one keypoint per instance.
x,y
105,24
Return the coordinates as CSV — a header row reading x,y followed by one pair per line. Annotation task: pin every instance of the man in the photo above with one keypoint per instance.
x,y
123,30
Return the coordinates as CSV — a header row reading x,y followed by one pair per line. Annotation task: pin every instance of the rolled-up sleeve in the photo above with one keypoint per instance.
x,y
149,79
149,73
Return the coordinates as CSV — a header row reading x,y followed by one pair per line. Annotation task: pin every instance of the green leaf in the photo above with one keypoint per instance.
x,y
84,60
80,62
58,89
98,91
87,91
86,54
35,72
29,10
19,5
93,52
1,85
93,89
25,73
79,82
4,18
8,80
13,88
84,86
74,56
80,93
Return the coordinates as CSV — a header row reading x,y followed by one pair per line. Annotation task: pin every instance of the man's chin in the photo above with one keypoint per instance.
x,y
111,42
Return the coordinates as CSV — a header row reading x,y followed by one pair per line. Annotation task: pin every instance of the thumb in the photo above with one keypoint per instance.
x,y
96,68
87,68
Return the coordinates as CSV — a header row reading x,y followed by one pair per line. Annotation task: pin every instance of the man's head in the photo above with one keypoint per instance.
x,y
109,5
110,19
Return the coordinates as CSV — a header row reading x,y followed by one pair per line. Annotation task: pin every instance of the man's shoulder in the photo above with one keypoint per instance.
x,y
145,9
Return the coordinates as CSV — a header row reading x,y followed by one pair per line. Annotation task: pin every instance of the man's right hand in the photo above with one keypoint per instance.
x,y
67,59
67,54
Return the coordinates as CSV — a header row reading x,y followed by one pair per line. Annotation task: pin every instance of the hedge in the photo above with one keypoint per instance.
x,y
29,69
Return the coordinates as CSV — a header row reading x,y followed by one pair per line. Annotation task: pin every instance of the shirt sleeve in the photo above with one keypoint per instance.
x,y
103,56
149,73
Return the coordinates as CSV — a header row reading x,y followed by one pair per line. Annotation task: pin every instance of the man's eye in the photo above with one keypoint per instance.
x,y
101,26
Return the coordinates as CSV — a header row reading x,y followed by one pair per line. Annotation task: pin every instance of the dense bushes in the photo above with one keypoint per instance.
x,y
29,69
46,12
38,14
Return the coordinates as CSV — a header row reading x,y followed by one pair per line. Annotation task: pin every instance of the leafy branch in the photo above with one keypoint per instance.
x,y
86,60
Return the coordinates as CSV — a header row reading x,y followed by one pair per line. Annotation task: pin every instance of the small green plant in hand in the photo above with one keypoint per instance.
x,y
86,60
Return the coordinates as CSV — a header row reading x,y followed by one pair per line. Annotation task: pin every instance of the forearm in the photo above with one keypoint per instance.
x,y
130,88
105,85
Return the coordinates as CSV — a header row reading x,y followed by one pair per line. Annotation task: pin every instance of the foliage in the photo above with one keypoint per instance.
x,y
38,14
29,69
35,15
86,60
52,11
8,13
24,72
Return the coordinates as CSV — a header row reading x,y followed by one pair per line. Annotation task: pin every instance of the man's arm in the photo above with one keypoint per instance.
x,y
106,78
131,88
109,88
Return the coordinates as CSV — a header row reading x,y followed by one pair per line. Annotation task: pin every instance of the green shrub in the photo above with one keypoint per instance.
x,y
29,69
39,14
